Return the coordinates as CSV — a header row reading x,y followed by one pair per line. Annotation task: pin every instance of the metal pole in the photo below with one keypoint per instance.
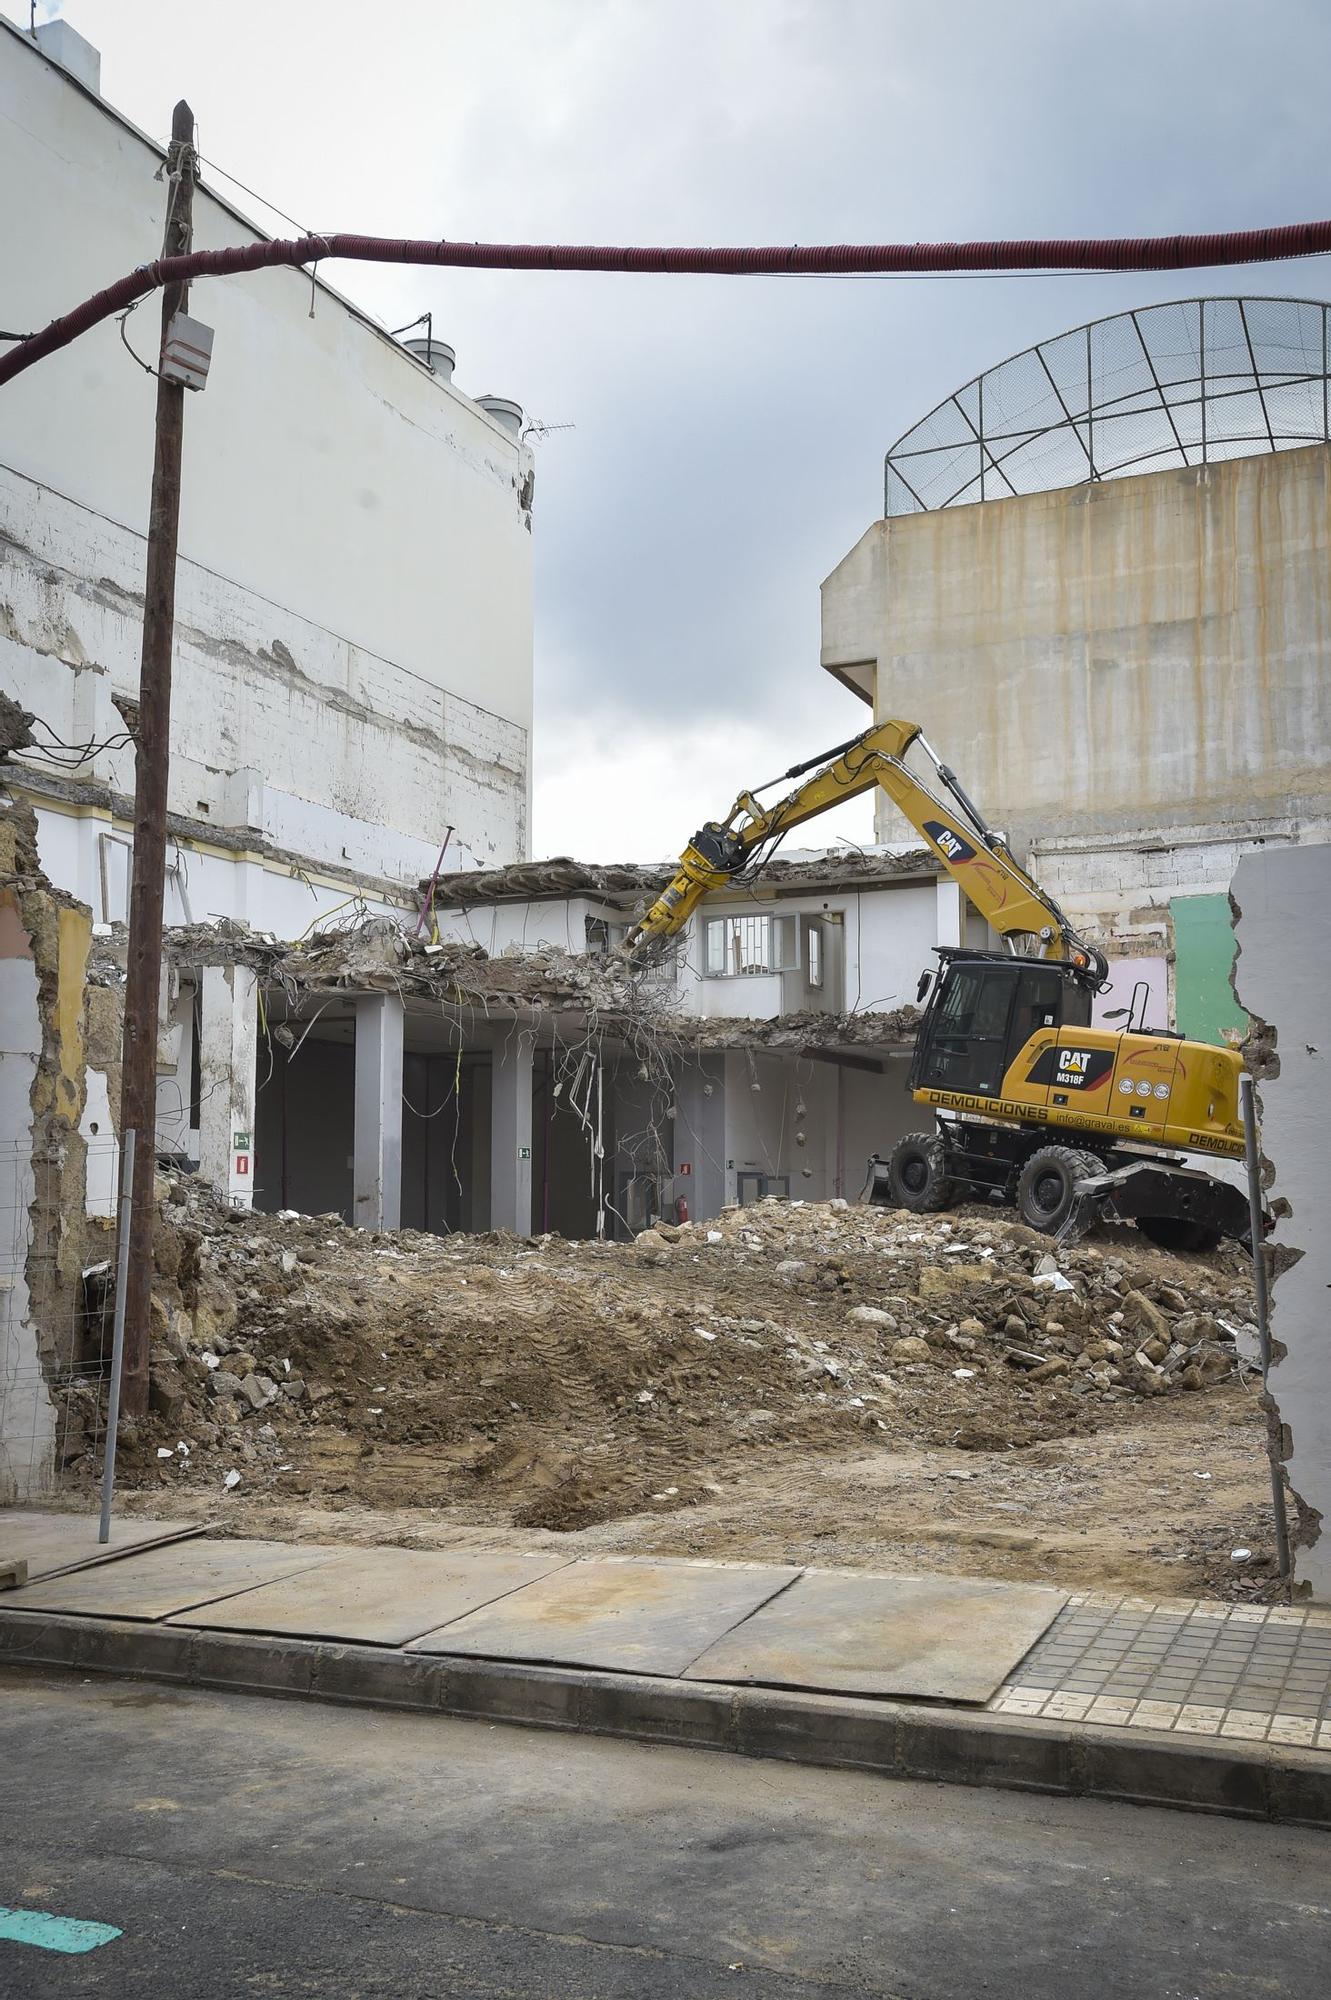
x,y
118,1333
138,1100
1252,1153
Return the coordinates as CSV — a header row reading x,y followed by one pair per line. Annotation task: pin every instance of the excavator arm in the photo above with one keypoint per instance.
x,y
972,853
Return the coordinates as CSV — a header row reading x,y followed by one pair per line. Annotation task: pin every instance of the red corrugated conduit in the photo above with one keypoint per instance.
x,y
1139,253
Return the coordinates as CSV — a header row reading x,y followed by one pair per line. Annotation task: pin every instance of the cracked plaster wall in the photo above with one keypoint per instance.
x,y
1283,977
44,946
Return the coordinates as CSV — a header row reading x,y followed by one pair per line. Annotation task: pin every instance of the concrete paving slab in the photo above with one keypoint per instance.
x,y
156,1582
628,1616
52,1543
937,1638
378,1596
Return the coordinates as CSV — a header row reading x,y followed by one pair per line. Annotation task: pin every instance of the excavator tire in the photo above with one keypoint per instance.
x,y
1176,1232
917,1173
1047,1191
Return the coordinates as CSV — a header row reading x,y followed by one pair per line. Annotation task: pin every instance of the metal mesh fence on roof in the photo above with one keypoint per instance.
x,y
1170,385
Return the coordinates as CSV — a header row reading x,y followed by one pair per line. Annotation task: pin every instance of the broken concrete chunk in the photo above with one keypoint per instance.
x,y
223,1383
1144,1316
1047,1370
936,1280
167,1395
871,1316
258,1390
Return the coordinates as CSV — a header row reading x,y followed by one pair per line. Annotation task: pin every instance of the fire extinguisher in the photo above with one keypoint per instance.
x,y
681,1208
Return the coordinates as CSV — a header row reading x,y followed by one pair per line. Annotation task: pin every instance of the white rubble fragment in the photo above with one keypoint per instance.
x,y
165,1451
232,1479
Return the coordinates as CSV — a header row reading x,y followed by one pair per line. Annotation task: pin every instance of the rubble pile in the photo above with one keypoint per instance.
x,y
554,1384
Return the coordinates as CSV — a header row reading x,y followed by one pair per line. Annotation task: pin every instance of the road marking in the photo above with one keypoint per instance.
x,y
51,1933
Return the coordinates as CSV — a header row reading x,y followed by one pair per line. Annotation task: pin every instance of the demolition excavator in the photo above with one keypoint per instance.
x,y
1033,1104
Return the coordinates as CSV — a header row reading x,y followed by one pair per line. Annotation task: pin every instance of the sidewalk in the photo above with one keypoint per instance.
x,y
1206,1705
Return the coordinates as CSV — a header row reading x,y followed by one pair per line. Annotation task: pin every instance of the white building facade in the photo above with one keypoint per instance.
x,y
353,661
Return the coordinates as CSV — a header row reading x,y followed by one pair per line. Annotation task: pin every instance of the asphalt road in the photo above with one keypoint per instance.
x,y
246,1846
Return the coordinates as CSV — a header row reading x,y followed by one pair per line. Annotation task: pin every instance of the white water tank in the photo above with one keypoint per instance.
x,y
505,413
437,355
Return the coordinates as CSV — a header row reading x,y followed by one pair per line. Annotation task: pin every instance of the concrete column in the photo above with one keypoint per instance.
x,y
175,1062
510,1134
228,1048
376,1197
951,911
700,1136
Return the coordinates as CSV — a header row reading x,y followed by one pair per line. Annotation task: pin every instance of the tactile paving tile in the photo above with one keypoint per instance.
x,y
1198,1668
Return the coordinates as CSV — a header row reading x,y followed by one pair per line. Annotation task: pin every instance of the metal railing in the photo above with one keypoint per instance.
x,y
1186,383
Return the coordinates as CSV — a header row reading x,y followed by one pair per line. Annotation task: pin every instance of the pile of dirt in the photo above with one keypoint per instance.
x,y
552,1384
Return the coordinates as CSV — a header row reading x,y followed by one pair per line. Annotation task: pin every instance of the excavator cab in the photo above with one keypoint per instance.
x,y
984,1008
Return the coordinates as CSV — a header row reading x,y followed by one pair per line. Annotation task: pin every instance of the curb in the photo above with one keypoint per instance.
x,y
891,1738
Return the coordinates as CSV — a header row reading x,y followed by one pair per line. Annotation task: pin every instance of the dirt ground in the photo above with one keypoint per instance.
x,y
820,1383
1154,1507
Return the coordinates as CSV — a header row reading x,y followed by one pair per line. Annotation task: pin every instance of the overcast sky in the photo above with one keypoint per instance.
x,y
729,433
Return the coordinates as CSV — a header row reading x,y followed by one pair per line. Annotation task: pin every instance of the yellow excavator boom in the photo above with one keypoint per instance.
x,y
972,853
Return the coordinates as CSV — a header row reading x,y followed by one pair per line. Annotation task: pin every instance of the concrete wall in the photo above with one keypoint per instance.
x,y
44,946
354,636
1104,658
1283,976
847,1114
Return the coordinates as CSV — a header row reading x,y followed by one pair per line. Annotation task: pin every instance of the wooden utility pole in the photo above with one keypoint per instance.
x,y
138,1089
